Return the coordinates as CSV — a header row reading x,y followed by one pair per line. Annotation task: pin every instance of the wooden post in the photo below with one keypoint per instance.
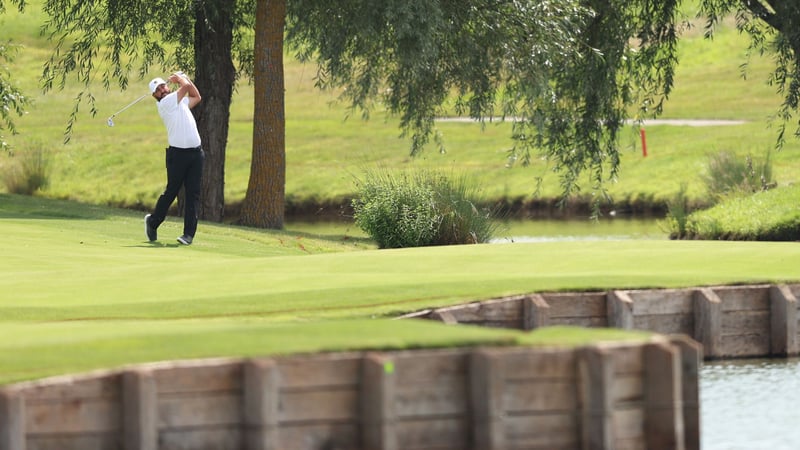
x,y
783,321
619,307
596,381
663,409
487,385
691,361
139,410
535,312
12,420
377,403
444,316
261,398
708,321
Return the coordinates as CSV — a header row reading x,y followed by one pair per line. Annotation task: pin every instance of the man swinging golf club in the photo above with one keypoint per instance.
x,y
184,154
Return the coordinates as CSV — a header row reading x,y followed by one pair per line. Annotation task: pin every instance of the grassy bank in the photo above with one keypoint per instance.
x,y
326,151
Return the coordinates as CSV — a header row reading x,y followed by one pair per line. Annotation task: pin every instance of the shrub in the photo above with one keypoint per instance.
x,y
29,171
729,175
678,214
420,209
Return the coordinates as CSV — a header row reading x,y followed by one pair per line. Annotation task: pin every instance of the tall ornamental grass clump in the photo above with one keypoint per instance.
x,y
420,209
728,175
28,172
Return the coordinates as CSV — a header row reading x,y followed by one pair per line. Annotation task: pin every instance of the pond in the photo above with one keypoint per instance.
x,y
750,404
528,230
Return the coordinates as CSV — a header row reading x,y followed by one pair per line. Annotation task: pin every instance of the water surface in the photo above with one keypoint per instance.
x,y
750,405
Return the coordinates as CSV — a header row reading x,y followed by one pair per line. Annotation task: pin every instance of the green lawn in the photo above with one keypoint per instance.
x,y
82,289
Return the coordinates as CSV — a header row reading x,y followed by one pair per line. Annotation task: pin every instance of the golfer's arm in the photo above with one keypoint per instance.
x,y
188,89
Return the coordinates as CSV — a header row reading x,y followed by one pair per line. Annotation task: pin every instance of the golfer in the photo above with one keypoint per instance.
x,y
184,154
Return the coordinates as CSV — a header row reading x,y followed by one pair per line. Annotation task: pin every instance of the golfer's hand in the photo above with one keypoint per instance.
x,y
178,78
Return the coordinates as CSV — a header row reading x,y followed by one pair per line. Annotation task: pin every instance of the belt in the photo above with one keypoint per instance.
x,y
198,148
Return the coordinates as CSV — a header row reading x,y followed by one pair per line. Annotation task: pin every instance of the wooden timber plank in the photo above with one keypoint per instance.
x,y
743,298
708,321
620,310
596,371
556,430
321,370
332,404
139,410
105,386
535,312
663,421
12,423
740,345
430,365
191,378
206,438
662,301
199,410
586,322
261,405
523,364
330,435
443,433
581,305
691,361
666,323
447,395
783,321
539,396
487,388
75,416
93,441
628,424
378,417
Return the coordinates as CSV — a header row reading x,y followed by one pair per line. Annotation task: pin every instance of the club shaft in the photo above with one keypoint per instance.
x,y
131,104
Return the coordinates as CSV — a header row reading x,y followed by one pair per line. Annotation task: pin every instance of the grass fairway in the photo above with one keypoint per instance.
x,y
82,289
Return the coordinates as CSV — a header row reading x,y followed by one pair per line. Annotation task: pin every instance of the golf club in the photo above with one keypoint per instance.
x,y
111,118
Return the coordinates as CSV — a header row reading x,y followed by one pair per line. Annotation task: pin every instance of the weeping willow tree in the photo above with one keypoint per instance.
x,y
566,73
12,100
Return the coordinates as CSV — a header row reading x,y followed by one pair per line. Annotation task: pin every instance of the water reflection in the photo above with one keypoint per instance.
x,y
539,230
585,229
750,405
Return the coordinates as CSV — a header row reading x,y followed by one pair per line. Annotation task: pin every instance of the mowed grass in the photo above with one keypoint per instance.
x,y
82,289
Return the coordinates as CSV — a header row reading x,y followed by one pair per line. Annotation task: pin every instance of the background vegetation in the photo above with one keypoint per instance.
x,y
326,150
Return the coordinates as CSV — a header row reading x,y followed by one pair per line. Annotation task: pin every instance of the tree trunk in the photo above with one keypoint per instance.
x,y
214,79
263,205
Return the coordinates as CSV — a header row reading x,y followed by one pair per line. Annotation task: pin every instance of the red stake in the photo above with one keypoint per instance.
x,y
644,141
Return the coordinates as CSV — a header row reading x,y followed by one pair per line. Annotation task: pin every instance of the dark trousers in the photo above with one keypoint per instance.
x,y
184,169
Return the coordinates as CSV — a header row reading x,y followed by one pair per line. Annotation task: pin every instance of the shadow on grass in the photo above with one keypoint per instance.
x,y
14,206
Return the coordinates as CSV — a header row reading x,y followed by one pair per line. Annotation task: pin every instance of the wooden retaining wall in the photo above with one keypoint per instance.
x,y
730,321
610,396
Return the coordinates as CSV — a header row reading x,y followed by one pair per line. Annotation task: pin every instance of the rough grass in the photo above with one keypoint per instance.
x,y
770,215
325,149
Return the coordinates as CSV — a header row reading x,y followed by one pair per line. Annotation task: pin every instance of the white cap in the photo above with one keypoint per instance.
x,y
155,83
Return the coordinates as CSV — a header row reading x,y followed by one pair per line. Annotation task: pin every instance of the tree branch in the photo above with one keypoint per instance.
x,y
762,12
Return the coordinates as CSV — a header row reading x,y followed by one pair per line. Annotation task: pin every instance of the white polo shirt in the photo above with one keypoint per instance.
x,y
177,117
